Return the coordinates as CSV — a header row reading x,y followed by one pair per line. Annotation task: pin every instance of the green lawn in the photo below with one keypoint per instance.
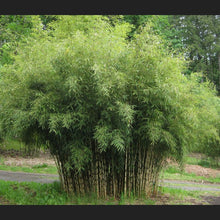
x,y
30,193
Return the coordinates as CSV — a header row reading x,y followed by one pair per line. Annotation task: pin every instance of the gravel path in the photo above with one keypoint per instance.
x,y
49,178
187,185
196,186
28,177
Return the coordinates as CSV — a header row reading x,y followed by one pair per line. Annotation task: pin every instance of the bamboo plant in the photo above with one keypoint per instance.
x,y
110,109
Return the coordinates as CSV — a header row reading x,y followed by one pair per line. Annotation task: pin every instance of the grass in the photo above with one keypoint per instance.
x,y
12,144
173,172
46,169
39,168
182,197
2,160
191,185
186,197
180,193
204,162
15,146
30,193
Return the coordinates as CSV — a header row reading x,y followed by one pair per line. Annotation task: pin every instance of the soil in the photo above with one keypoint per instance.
x,y
212,200
4,201
17,158
202,171
197,169
166,199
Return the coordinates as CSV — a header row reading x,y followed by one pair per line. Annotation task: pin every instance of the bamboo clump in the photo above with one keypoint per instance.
x,y
133,172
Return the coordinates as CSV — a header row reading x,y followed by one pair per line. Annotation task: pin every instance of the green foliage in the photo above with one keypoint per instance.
x,y
204,162
14,29
200,35
207,106
196,36
40,166
95,98
161,25
80,155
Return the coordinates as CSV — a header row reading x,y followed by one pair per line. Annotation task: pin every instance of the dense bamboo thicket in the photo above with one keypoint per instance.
x,y
110,109
110,174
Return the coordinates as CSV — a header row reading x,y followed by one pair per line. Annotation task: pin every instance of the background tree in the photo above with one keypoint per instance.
x,y
207,106
15,28
200,34
12,28
197,36
161,24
